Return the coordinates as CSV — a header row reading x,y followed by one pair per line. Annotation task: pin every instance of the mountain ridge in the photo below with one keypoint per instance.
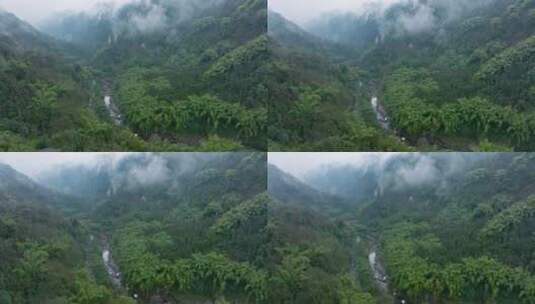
x,y
17,188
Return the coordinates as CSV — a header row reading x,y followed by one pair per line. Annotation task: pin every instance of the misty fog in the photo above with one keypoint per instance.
x,y
34,11
351,174
421,15
296,12
48,15
302,164
104,174
35,164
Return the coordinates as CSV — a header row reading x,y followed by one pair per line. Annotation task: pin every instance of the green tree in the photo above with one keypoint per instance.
x,y
292,272
87,291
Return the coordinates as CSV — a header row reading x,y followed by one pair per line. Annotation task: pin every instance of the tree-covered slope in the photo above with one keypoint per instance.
x,y
436,228
452,86
47,256
16,188
288,189
316,100
313,235
49,102
180,76
203,237
19,36
181,71
468,240
179,228
449,75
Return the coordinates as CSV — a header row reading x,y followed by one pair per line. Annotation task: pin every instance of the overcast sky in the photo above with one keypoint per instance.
x,y
302,11
299,164
34,11
32,164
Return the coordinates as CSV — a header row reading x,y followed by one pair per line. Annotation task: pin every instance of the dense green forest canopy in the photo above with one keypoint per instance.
x,y
450,75
313,100
182,228
183,76
446,228
224,227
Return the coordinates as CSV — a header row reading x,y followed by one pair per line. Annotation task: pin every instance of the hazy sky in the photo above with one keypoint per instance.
x,y
32,164
35,10
299,164
302,11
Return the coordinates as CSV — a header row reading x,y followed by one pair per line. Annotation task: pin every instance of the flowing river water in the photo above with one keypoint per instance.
x,y
111,267
379,273
381,278
380,113
382,118
116,276
113,110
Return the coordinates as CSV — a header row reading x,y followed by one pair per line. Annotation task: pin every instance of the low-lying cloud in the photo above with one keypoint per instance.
x,y
411,16
374,173
148,16
34,11
423,171
304,11
139,172
110,174
115,17
35,164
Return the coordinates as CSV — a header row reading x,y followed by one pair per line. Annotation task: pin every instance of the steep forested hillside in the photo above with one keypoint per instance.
x,y
47,257
317,102
149,75
203,236
436,228
466,239
16,188
47,101
468,82
449,75
314,235
287,188
181,71
170,228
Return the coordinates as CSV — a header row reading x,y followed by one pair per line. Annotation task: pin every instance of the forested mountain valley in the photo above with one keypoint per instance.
x,y
424,75
148,75
140,228
409,228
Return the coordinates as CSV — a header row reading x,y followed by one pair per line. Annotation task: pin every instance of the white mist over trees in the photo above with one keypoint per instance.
x,y
293,10
34,165
360,176
35,11
343,21
111,20
101,174
109,175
